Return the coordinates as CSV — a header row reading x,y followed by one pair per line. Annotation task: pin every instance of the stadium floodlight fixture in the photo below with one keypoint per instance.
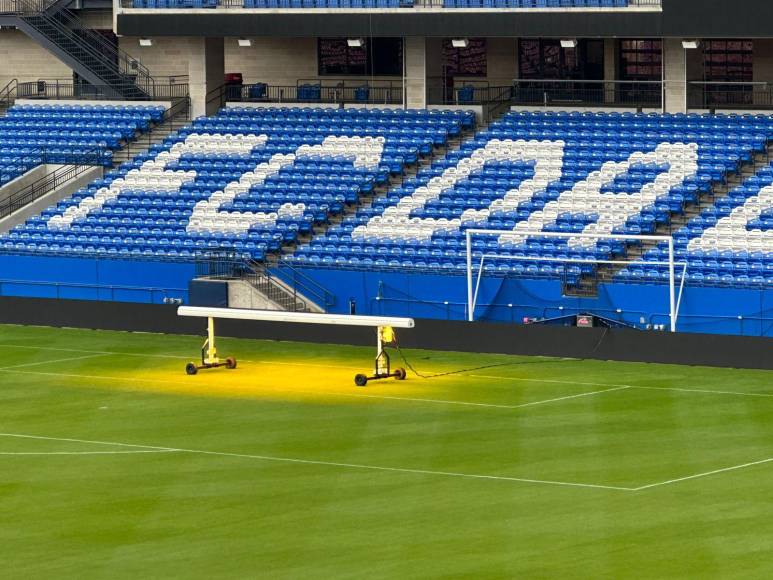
x,y
384,325
690,44
460,42
568,43
244,42
146,42
355,42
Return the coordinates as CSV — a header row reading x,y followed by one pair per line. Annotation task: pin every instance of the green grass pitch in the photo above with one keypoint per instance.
x,y
115,464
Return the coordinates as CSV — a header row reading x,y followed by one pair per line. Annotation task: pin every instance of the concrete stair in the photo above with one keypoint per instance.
x,y
177,117
607,272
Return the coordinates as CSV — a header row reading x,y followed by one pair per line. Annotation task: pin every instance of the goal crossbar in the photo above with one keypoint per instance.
x,y
674,300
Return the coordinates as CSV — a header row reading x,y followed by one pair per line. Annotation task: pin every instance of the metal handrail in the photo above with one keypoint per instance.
x,y
168,120
8,92
300,280
68,89
404,4
50,182
227,264
106,59
335,95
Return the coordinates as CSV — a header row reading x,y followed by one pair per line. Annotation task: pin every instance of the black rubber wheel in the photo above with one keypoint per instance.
x,y
190,369
230,363
360,380
400,374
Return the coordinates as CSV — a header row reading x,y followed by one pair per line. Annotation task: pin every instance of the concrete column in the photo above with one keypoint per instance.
x,y
674,76
502,63
206,72
763,60
610,69
415,73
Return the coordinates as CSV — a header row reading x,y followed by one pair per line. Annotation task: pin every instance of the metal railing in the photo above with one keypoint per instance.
x,y
719,95
175,117
548,93
281,283
442,91
580,93
94,51
391,94
69,89
8,94
80,163
357,93
392,4
302,283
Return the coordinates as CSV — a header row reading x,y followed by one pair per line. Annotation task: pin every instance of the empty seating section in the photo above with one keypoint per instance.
x,y
730,243
247,180
281,4
536,3
35,134
591,173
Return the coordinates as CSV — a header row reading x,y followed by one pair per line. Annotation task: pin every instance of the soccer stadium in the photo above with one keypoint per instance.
x,y
386,289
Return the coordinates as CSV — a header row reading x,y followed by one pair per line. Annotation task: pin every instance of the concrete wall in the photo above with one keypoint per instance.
x,y
415,72
675,75
65,190
99,19
23,181
277,61
502,65
242,295
205,74
23,59
763,59
169,56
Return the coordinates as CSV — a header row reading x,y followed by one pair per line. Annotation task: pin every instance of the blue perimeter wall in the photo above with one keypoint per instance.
x,y
703,309
94,279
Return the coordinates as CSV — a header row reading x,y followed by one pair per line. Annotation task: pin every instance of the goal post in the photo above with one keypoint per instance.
x,y
475,271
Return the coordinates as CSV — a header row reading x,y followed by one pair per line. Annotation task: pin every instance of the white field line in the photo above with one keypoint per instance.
x,y
331,463
324,365
35,453
326,393
44,362
705,474
707,391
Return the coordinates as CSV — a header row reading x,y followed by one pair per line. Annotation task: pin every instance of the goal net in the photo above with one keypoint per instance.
x,y
579,260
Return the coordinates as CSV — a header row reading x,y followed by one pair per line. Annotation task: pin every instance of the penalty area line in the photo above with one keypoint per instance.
x,y
70,453
45,362
353,466
704,474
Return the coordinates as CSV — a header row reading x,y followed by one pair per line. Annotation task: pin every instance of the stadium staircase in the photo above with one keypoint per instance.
x,y
175,118
92,56
269,284
365,201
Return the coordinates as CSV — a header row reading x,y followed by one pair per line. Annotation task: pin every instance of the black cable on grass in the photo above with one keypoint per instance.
x,y
598,344
455,372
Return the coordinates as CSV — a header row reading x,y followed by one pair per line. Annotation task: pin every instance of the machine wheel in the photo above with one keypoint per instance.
x,y
190,369
360,380
400,374
230,363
